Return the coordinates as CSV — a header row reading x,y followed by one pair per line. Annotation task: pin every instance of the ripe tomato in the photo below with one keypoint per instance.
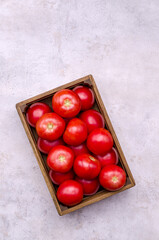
x,y
70,193
82,148
75,133
50,126
66,103
86,166
99,141
90,187
60,159
109,158
112,177
36,111
93,119
86,95
58,178
45,146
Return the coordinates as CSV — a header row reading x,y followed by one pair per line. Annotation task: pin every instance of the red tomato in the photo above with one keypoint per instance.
x,y
45,146
66,103
112,177
86,95
82,148
50,126
86,166
58,178
36,111
70,193
75,133
99,141
90,187
93,119
60,159
109,158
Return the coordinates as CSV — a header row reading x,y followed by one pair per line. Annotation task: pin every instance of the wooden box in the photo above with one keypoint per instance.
x,y
41,158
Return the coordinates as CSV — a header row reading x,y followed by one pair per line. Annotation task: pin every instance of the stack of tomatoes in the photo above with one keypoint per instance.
x,y
81,156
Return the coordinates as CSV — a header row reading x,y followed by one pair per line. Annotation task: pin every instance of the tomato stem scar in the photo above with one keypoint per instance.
x,y
50,125
67,102
62,158
115,179
92,158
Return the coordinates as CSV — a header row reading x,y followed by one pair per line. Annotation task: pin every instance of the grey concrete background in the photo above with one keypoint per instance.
x,y
46,43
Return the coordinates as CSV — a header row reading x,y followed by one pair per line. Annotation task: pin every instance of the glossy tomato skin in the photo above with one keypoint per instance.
x,y
50,126
45,146
93,119
90,187
99,141
60,159
70,193
86,96
75,133
86,166
36,111
112,177
109,158
66,103
82,148
58,178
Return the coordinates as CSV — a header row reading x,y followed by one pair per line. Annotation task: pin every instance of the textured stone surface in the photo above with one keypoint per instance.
x,y
47,43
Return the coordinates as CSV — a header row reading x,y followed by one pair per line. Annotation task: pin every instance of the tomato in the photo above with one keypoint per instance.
x,y
50,126
99,141
112,177
36,111
60,159
93,119
82,148
66,103
109,158
45,146
58,178
90,187
86,95
70,193
86,166
75,133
